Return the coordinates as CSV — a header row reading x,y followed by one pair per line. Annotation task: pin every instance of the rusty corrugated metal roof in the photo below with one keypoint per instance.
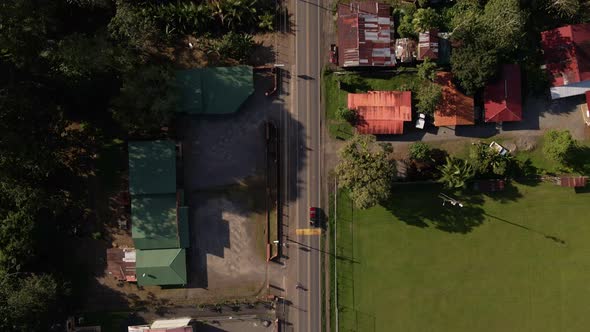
x,y
428,45
365,35
455,108
381,112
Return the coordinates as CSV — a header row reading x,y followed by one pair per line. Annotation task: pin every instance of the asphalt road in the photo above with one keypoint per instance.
x,y
304,253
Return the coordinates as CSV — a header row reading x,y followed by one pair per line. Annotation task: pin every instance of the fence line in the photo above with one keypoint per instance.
x,y
336,251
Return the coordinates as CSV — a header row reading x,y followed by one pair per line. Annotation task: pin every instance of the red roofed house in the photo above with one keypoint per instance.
x,y
365,35
455,108
567,58
502,98
428,45
381,112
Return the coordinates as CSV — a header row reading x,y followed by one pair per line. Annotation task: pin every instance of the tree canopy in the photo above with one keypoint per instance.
x,y
427,69
485,37
28,302
558,144
425,19
78,75
428,96
148,99
366,171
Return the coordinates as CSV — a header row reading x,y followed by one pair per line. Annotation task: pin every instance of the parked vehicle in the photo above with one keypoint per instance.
x,y
499,148
314,216
334,54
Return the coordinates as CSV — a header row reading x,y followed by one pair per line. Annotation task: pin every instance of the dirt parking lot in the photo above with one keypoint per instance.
x,y
224,168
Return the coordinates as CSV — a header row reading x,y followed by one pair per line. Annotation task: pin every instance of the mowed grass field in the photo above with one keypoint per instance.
x,y
516,261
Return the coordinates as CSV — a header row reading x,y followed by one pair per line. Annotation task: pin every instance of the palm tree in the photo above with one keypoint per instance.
x,y
266,21
235,14
455,173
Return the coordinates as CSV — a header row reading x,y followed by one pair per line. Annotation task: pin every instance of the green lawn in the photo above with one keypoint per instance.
x,y
335,97
519,261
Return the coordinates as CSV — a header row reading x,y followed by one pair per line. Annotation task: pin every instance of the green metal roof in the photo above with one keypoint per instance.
x,y
161,267
214,90
153,220
152,167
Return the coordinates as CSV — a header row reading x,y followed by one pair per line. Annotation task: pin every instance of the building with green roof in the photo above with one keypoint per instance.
x,y
161,267
152,167
214,90
159,221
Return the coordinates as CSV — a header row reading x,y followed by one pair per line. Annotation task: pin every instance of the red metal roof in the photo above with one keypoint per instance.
x,y
573,181
381,112
502,98
455,108
365,35
567,53
428,45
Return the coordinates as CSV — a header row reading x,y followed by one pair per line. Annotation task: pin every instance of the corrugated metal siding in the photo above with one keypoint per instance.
x,y
119,266
405,50
573,181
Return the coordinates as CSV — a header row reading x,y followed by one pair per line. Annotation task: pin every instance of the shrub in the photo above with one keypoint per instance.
x,y
427,69
346,114
420,151
558,145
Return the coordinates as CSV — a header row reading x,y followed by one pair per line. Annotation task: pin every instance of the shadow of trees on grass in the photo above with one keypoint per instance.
x,y
421,206
578,159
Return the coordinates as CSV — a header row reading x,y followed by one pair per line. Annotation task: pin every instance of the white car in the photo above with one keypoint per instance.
x,y
421,121
499,148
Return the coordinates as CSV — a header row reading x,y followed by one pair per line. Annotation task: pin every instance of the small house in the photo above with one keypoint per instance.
x,y
503,97
567,59
381,112
428,45
159,219
455,108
